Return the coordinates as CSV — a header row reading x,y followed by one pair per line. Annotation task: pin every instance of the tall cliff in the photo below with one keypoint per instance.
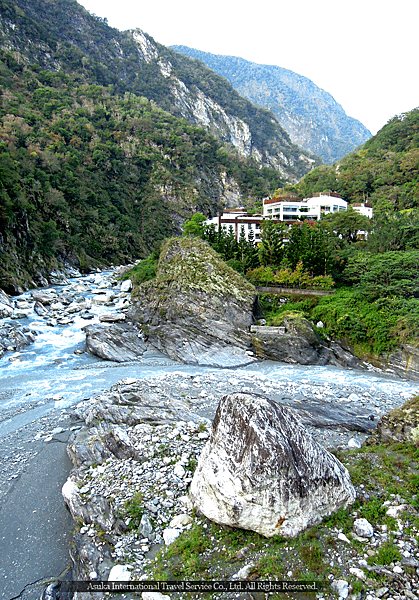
x,y
108,142
62,35
311,116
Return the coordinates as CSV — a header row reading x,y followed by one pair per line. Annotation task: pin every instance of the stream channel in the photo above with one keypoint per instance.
x,y
40,383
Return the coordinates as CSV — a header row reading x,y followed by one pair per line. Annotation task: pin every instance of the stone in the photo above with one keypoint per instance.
x,y
396,511
244,572
126,285
170,535
262,470
179,471
363,528
145,528
295,342
399,425
98,511
112,317
119,573
45,296
6,305
15,337
197,310
180,521
341,586
353,443
117,342
359,573
40,309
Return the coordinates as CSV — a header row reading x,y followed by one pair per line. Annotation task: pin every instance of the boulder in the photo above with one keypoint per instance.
x,y
399,425
126,286
197,309
6,305
119,343
296,342
45,296
15,338
262,470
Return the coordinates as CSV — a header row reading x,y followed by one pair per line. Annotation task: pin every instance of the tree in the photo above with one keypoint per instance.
x,y
195,225
272,248
312,246
394,231
348,223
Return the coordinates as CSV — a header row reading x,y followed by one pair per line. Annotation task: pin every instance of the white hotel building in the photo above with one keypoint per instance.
x,y
288,209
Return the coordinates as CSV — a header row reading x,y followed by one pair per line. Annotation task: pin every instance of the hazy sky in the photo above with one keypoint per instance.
x,y
363,52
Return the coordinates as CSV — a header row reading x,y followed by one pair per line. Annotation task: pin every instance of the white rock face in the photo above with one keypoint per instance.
x,y
262,470
145,47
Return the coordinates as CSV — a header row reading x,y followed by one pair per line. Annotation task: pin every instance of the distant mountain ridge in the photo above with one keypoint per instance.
x,y
311,116
61,35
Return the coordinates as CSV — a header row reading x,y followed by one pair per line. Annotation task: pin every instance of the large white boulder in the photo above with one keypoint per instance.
x,y
262,470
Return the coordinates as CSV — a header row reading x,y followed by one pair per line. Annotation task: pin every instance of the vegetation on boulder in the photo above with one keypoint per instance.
x,y
190,264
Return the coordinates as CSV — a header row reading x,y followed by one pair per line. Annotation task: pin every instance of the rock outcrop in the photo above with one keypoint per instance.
x,y
15,337
400,425
6,305
197,310
296,342
262,470
119,342
403,361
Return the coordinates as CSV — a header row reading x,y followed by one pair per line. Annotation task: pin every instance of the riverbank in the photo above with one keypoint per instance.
x,y
134,461
42,383
36,529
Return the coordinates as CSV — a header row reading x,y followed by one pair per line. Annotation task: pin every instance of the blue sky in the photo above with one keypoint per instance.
x,y
363,52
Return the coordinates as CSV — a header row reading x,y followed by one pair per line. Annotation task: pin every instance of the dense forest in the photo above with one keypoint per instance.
x,y
384,172
60,35
89,176
104,149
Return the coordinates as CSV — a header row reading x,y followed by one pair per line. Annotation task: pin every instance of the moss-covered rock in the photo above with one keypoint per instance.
x,y
399,425
197,309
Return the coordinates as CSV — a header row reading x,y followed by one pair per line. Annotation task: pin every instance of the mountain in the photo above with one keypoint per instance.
x,y
384,172
108,142
312,118
62,35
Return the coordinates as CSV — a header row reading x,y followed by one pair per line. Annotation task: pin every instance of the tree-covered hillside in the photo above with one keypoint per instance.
x,y
60,35
87,175
311,116
384,172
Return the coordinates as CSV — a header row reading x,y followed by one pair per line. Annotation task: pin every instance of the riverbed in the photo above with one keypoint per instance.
x,y
41,383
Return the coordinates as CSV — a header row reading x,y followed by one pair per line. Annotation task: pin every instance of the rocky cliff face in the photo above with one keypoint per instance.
x,y
65,37
197,310
311,116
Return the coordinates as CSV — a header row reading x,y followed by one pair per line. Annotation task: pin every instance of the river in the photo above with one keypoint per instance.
x,y
51,374
40,383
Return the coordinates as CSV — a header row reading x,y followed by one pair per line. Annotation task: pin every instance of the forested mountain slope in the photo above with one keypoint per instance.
x,y
384,172
89,177
62,35
311,116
